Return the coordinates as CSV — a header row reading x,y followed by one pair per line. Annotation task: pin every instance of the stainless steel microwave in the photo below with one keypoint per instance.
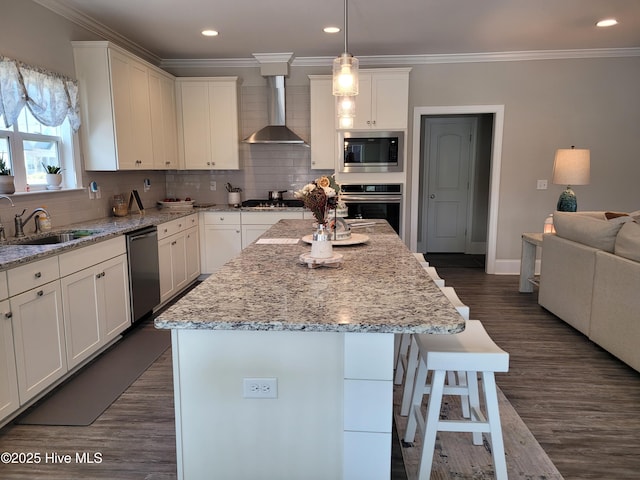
x,y
367,151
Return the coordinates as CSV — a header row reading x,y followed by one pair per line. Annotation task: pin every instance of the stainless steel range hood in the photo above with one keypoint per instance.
x,y
276,131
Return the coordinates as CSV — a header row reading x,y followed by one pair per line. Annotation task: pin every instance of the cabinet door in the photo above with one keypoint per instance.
x,y
166,269
38,330
179,261
192,246
251,232
81,316
362,120
9,402
323,125
113,297
141,116
196,129
222,243
389,101
223,112
122,117
163,121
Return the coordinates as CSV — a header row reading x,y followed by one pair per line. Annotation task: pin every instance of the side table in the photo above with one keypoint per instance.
x,y
530,242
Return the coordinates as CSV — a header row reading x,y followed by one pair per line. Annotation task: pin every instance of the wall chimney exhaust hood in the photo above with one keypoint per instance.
x,y
274,67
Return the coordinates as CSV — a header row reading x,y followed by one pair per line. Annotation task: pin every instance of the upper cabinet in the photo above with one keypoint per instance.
x,y
128,122
324,141
208,123
383,99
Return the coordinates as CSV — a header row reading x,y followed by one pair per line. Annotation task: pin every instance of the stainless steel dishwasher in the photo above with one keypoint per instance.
x,y
144,275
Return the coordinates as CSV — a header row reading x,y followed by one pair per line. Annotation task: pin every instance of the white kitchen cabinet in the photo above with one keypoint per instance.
x,y
255,224
208,123
38,331
221,239
95,296
117,129
177,265
324,141
164,132
9,401
383,99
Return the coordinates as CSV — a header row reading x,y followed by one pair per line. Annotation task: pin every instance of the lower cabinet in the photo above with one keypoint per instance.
x,y
255,224
178,255
221,239
38,332
96,307
9,401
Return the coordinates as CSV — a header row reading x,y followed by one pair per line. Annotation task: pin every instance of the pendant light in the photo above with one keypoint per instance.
x,y
345,67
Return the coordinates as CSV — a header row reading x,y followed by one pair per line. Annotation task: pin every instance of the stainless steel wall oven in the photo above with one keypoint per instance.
x,y
374,201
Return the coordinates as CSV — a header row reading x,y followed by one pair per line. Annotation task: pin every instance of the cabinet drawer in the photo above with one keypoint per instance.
x,y
170,228
222,218
191,221
85,257
268,218
33,275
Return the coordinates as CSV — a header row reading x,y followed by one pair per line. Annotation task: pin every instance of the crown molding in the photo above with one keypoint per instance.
x,y
376,60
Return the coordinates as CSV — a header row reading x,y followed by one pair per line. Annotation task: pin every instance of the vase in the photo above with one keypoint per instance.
x,y
321,244
7,184
53,181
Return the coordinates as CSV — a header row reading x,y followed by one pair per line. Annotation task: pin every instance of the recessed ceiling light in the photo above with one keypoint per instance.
x,y
210,33
607,22
331,29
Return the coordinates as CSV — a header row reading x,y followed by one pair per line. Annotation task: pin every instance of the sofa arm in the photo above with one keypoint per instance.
x,y
566,280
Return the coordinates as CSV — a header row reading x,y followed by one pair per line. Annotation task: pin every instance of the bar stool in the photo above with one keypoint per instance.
x,y
408,358
471,351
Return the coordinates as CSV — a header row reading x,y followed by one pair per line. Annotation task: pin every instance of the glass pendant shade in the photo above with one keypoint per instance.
x,y
345,122
345,75
346,107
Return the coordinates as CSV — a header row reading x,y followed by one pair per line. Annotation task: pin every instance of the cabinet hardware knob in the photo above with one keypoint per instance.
x,y
97,275
174,242
40,293
8,315
433,195
38,274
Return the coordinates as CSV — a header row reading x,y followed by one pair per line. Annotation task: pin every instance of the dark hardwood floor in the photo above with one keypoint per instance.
x,y
581,403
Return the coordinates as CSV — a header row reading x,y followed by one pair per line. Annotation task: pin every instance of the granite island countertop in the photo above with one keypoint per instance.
x,y
379,288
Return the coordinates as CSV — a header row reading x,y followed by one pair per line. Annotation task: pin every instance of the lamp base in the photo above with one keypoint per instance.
x,y
567,201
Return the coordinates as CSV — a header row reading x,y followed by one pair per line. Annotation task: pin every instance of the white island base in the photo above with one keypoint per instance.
x,y
331,419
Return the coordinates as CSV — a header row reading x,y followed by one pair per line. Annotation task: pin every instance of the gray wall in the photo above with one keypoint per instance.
x,y
549,104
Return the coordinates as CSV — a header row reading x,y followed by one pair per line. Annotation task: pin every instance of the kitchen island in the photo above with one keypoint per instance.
x,y
321,340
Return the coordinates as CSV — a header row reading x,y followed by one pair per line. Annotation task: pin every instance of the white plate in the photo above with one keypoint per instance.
x,y
355,239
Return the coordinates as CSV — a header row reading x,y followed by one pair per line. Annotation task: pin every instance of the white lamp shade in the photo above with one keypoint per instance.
x,y
572,166
345,75
346,107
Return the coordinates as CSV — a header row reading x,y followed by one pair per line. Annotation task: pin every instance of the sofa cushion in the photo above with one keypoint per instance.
x,y
628,241
588,230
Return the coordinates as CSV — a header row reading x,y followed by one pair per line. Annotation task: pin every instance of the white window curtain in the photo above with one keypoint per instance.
x,y
50,97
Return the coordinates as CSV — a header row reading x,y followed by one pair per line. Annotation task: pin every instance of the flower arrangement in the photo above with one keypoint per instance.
x,y
320,196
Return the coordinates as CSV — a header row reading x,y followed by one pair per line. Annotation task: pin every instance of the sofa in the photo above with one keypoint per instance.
x,y
590,278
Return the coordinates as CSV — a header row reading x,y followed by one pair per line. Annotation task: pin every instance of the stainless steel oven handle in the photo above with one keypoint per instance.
x,y
370,198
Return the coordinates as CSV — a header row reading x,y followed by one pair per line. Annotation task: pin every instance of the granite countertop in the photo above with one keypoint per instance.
x,y
13,254
380,287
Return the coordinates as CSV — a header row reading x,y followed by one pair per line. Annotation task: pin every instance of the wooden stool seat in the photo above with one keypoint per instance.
x,y
471,351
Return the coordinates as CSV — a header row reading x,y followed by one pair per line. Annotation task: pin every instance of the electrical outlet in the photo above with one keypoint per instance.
x,y
212,186
542,185
260,388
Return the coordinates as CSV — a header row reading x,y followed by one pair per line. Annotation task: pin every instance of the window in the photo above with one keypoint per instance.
x,y
38,116
28,146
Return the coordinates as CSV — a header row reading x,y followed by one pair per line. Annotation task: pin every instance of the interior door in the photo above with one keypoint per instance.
x,y
449,152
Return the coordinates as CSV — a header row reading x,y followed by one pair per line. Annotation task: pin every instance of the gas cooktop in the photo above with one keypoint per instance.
x,y
268,204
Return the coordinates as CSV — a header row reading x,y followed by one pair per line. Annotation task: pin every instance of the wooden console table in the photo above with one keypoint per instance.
x,y
530,243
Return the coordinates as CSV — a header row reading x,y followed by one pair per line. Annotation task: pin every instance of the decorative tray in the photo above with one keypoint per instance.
x,y
312,262
355,239
178,205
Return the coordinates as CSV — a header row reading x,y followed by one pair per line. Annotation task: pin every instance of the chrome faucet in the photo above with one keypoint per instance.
x,y
21,223
3,235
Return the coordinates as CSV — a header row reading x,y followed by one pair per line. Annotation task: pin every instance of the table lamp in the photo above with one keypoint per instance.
x,y
570,167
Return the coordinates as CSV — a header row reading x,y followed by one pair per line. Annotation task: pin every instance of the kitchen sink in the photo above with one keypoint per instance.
x,y
55,238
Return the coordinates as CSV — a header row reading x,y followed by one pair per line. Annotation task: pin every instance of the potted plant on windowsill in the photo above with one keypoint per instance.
x,y
7,184
53,177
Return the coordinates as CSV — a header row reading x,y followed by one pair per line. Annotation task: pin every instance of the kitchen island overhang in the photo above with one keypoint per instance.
x,y
325,334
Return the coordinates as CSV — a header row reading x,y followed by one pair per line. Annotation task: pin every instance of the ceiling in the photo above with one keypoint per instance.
x,y
170,29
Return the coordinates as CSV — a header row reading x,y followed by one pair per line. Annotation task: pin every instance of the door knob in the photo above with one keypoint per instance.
x,y
433,195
